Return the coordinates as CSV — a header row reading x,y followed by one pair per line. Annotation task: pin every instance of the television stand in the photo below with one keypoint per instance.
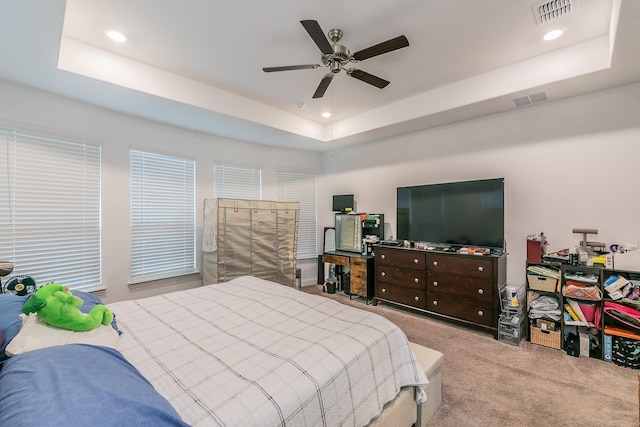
x,y
455,287
361,272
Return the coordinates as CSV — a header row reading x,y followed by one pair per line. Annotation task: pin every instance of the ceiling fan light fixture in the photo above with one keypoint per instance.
x,y
336,57
117,36
552,35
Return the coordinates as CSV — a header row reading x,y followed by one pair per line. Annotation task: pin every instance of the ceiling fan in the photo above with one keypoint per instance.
x,y
336,57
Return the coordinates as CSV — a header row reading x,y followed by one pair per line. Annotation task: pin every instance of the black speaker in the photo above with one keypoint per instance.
x,y
329,242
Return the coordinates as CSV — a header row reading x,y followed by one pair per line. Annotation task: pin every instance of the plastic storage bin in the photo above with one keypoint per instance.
x,y
513,299
511,329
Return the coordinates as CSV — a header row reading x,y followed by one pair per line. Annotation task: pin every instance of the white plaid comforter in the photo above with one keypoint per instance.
x,y
254,353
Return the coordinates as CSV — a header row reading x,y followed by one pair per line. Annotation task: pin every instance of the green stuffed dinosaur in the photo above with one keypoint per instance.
x,y
56,306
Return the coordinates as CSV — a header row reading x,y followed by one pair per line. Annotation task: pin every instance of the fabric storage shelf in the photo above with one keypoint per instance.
x,y
539,283
250,237
546,338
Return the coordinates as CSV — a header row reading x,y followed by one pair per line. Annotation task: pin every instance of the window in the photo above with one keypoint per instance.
x,y
50,208
301,187
163,220
235,182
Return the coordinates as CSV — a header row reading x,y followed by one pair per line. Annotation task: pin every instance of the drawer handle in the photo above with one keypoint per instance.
x,y
382,256
481,291
383,274
435,283
415,261
481,268
480,313
417,298
435,302
384,290
416,280
435,263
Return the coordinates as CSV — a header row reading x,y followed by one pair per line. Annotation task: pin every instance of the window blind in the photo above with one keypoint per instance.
x,y
301,187
236,182
162,216
50,208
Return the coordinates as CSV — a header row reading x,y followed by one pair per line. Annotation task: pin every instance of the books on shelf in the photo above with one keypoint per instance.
x,y
621,332
581,278
575,316
572,313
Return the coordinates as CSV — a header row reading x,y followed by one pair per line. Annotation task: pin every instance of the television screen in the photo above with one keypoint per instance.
x,y
343,203
467,213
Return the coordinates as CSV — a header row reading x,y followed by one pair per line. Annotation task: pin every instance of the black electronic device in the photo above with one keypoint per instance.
x,y
469,213
343,203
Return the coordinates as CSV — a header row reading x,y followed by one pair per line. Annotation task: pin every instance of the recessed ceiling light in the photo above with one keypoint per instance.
x,y
116,36
326,114
552,35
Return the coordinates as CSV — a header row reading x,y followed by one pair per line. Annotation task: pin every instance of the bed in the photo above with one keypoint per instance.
x,y
247,352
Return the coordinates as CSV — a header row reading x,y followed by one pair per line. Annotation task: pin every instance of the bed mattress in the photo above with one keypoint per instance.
x,y
251,352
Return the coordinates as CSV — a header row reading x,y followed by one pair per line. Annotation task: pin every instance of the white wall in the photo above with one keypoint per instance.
x,y
567,164
31,109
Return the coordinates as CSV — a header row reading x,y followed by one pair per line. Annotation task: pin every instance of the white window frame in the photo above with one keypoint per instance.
x,y
302,187
50,223
237,182
163,216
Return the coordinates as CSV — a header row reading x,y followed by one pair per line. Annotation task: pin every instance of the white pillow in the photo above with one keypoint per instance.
x,y
35,334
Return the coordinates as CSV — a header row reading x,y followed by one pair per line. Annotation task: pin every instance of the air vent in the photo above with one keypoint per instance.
x,y
549,11
534,98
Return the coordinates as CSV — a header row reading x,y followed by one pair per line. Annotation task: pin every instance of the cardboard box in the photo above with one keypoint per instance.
x,y
546,325
534,250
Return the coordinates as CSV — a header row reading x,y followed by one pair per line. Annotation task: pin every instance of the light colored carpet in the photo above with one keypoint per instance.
x,y
489,383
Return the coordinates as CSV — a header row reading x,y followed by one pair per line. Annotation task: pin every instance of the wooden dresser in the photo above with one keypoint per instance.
x,y
460,288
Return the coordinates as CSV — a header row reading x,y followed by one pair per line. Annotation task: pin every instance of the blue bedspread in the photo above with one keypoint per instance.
x,y
79,385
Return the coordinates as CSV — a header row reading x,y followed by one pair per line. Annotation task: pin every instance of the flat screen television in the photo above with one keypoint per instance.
x,y
343,203
469,213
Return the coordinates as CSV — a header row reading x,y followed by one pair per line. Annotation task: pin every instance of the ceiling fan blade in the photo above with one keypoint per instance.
x,y
384,47
368,78
324,84
291,67
316,33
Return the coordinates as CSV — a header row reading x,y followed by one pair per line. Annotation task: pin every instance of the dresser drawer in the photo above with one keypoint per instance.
x,y
401,258
401,277
335,259
469,310
460,286
408,296
463,265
